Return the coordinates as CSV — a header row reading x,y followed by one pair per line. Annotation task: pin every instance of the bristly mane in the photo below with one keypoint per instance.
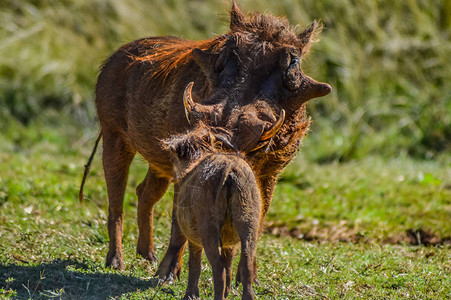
x,y
177,55
267,28
255,30
274,30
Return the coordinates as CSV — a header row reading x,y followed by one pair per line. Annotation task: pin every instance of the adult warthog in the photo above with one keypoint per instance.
x,y
244,81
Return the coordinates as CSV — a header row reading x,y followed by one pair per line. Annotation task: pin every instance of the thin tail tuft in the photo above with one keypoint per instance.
x,y
87,167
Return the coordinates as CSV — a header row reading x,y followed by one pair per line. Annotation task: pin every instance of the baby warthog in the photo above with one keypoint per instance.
x,y
217,205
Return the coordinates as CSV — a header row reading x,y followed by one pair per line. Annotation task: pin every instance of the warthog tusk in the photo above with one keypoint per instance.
x,y
188,102
274,128
259,145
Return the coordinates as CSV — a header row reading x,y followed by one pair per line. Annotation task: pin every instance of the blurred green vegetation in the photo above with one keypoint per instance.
x,y
388,62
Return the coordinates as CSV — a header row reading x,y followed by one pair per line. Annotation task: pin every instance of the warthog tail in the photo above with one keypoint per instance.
x,y
220,190
87,167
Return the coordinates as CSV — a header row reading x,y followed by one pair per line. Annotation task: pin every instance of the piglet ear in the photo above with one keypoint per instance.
x,y
237,18
177,146
169,145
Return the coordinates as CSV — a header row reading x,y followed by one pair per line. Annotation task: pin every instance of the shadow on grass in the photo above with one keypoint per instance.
x,y
66,279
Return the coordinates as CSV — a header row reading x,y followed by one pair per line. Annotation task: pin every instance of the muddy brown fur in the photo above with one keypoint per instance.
x,y
217,205
242,81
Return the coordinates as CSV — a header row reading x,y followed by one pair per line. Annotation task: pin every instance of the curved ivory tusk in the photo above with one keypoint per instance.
x,y
274,128
259,145
188,102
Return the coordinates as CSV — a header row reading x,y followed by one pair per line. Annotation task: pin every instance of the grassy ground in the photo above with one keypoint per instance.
x,y
372,228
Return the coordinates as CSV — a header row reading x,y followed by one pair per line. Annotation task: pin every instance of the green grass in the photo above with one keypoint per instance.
x,y
337,230
373,199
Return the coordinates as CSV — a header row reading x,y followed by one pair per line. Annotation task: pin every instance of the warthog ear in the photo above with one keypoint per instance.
x,y
178,146
191,145
237,18
310,36
169,144
223,142
206,61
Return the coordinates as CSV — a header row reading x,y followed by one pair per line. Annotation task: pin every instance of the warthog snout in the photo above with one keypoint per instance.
x,y
257,129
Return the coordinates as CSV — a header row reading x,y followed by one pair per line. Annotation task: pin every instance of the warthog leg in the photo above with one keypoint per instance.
x,y
248,232
117,158
210,239
229,254
267,185
171,265
194,265
149,192
246,267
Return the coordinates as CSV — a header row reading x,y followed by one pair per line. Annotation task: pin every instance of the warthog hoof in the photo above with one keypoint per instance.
x,y
167,276
167,272
116,262
148,255
171,265
191,296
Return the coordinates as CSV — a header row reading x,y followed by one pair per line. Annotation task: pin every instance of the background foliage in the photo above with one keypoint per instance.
x,y
388,62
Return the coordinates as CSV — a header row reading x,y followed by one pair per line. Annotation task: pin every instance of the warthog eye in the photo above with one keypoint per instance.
x,y
292,75
294,61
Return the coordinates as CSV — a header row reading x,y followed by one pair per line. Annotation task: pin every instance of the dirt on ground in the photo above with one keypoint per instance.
x,y
346,232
